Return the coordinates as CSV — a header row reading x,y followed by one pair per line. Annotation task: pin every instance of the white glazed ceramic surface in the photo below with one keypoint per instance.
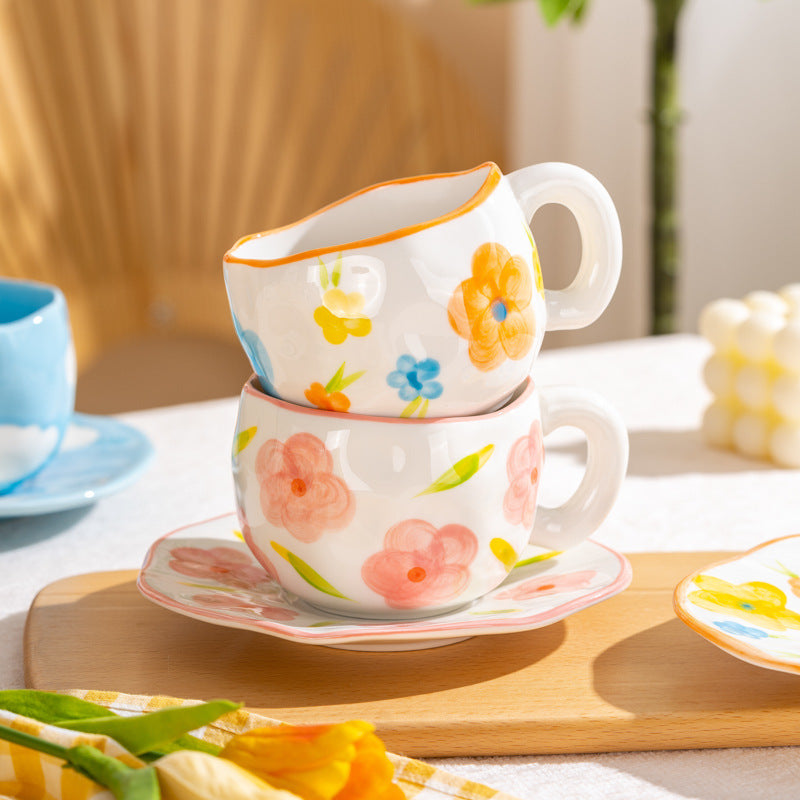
x,y
749,605
206,572
403,518
421,296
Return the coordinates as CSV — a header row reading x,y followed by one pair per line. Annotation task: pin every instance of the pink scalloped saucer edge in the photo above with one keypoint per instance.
x,y
371,631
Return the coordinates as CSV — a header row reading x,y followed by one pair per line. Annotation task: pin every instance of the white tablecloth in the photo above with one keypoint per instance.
x,y
679,495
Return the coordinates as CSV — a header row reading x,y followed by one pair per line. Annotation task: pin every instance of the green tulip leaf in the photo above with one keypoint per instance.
x,y
461,471
145,732
73,712
49,707
309,575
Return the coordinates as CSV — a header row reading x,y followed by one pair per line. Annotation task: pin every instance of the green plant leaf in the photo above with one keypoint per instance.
x,y
49,707
145,732
323,274
66,711
242,439
503,552
461,471
307,573
125,783
555,10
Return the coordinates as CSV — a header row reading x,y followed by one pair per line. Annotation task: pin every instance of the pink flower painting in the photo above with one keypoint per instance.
x,y
223,603
247,534
524,467
548,584
420,565
226,565
299,491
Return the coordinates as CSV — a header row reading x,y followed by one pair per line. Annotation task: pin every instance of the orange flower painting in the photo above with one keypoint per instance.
x,y
327,401
492,309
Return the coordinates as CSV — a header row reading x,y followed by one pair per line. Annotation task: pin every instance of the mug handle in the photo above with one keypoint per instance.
x,y
607,459
585,299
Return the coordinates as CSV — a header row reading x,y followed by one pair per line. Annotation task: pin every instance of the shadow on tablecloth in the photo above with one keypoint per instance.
x,y
662,452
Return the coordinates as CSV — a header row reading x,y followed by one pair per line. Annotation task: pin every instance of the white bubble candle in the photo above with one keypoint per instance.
x,y
754,374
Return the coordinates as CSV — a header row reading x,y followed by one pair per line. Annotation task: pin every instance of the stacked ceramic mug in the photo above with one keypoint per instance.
x,y
389,447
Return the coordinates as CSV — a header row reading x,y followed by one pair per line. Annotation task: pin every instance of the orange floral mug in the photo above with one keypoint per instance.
x,y
418,297
391,518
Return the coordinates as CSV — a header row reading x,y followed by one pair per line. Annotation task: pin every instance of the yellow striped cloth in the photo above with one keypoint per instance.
x,y
27,775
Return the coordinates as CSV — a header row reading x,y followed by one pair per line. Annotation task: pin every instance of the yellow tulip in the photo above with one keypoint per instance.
x,y
318,762
193,775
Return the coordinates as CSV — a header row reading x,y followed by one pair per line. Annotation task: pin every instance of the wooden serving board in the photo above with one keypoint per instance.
x,y
625,674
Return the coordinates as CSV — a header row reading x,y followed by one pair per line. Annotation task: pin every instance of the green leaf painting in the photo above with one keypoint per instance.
x,y
324,280
460,472
492,611
339,382
307,573
504,553
242,439
535,559
336,276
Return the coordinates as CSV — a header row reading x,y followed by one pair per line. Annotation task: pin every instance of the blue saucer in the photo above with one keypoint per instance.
x,y
99,456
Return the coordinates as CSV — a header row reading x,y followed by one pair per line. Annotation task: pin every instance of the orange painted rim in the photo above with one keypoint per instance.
x,y
486,188
728,643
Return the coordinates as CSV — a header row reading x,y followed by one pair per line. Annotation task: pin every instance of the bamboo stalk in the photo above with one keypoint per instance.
x,y
665,119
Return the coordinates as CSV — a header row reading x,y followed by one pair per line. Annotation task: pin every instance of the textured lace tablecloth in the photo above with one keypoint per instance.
x,y
679,495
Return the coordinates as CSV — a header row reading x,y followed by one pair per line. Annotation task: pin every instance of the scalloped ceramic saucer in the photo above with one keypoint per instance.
x,y
749,604
98,456
206,571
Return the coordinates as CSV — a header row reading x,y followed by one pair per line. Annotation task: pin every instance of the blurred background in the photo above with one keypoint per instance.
x,y
139,139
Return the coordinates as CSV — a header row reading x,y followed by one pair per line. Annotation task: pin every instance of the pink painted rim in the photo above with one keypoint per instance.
x,y
260,395
730,644
406,630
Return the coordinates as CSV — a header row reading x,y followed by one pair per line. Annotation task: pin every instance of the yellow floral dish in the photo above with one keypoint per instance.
x,y
206,571
749,605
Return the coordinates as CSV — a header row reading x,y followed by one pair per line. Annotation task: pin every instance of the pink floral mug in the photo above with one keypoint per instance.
x,y
418,297
375,517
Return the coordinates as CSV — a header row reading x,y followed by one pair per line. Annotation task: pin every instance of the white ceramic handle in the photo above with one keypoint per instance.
x,y
606,461
585,299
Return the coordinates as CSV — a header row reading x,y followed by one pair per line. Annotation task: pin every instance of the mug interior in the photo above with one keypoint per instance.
x,y
19,300
374,212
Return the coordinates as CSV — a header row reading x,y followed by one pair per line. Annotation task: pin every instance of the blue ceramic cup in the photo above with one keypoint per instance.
x,y
37,377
